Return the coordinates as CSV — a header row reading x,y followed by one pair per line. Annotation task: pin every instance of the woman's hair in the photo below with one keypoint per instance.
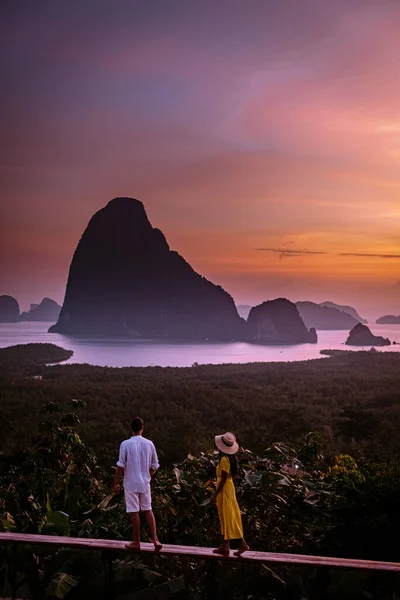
x,y
233,461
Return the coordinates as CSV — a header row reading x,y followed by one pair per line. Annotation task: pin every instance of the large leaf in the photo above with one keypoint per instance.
x,y
72,496
284,481
70,420
274,575
252,478
279,498
177,474
7,522
105,502
59,520
51,407
311,501
72,469
205,502
77,403
128,568
10,503
311,497
61,585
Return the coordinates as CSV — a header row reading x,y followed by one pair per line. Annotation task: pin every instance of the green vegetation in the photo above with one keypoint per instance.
x,y
332,492
352,401
28,358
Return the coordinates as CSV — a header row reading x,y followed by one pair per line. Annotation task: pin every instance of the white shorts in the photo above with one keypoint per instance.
x,y
136,501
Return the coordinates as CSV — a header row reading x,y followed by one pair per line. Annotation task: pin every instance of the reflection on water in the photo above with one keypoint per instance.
x,y
143,353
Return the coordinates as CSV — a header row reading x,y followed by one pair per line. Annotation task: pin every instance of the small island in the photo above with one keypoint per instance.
x,y
361,335
278,322
9,310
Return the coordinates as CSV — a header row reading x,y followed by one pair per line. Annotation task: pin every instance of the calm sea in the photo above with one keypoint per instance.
x,y
143,353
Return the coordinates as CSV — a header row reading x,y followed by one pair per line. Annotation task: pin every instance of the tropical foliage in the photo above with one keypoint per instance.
x,y
309,493
291,501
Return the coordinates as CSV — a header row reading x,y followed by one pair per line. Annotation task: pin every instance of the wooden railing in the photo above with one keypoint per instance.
x,y
193,552
200,553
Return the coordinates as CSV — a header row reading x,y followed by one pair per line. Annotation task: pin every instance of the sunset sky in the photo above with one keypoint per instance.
x,y
262,136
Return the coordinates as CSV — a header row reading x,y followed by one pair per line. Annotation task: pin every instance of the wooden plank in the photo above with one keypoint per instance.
x,y
199,553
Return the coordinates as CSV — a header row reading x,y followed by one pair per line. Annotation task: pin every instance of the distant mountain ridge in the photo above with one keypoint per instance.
x,y
347,309
388,320
325,317
48,311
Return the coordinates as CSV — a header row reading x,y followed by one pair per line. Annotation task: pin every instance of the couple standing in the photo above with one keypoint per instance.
x,y
138,462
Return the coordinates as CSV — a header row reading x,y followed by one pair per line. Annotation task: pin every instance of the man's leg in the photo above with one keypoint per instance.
x,y
136,527
151,522
145,506
135,518
132,507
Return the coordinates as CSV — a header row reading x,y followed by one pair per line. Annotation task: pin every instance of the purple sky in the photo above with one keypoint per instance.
x,y
263,138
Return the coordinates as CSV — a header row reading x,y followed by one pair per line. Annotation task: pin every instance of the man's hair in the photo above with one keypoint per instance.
x,y
137,425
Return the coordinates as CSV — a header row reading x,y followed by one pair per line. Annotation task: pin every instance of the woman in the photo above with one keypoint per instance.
x,y
225,497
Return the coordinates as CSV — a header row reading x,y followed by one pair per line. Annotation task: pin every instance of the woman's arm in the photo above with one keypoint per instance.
x,y
224,477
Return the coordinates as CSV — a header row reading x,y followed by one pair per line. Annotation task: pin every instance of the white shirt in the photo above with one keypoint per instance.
x,y
137,456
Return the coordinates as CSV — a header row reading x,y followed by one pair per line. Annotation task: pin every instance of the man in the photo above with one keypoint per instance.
x,y
138,461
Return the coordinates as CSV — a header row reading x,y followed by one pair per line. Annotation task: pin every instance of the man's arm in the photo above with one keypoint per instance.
x,y
154,464
118,474
120,469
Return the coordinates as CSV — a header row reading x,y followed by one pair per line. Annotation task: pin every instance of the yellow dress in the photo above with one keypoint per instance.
x,y
228,509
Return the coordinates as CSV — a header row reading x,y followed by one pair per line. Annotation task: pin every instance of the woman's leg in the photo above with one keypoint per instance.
x,y
243,546
223,548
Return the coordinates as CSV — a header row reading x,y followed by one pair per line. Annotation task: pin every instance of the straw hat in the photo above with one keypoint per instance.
x,y
227,443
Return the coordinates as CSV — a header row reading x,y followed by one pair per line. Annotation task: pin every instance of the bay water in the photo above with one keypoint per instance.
x,y
119,352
